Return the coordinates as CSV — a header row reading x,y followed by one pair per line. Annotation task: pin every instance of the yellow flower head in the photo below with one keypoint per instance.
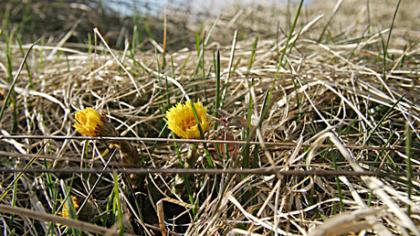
x,y
65,212
181,119
88,122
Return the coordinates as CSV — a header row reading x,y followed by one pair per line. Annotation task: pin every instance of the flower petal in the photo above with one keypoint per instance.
x,y
181,120
88,122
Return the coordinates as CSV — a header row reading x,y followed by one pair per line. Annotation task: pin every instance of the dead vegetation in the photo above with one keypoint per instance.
x,y
335,88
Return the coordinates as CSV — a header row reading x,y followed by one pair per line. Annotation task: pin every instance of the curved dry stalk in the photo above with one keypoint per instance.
x,y
84,226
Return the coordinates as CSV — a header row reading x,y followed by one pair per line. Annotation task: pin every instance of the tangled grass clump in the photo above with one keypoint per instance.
x,y
324,90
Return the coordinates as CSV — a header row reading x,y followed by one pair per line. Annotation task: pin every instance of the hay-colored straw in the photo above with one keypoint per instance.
x,y
182,122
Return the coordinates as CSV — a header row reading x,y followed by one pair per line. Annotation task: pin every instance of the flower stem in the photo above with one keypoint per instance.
x,y
192,155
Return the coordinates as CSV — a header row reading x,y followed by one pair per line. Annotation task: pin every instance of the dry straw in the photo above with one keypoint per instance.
x,y
343,101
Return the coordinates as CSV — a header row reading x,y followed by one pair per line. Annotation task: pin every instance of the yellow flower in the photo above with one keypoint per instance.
x,y
65,212
181,119
88,122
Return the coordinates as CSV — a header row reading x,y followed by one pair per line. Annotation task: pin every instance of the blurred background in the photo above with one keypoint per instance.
x,y
141,20
121,19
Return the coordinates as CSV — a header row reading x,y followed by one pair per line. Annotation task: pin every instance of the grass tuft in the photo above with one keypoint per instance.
x,y
325,90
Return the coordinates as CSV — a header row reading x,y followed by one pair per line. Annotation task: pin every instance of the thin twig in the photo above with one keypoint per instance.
x,y
12,85
145,139
172,171
5,209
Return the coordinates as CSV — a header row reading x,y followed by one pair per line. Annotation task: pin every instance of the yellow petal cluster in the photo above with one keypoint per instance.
x,y
88,122
181,119
65,212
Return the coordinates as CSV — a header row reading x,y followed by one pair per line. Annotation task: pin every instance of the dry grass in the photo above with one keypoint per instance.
x,y
335,90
